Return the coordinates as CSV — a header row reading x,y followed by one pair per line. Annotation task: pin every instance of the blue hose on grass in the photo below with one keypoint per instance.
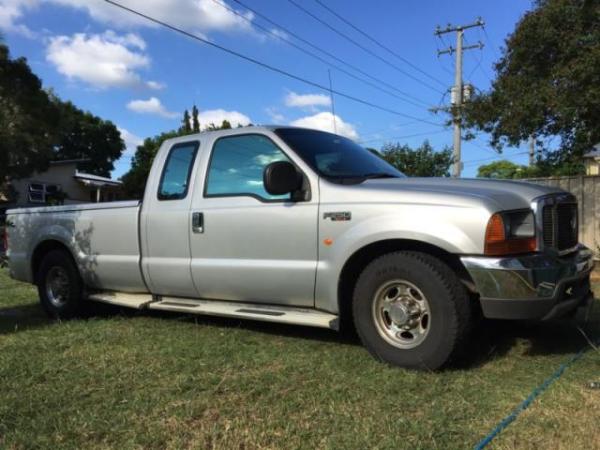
x,y
525,403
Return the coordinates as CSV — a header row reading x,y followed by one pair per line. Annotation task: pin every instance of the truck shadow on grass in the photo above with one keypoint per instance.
x,y
490,340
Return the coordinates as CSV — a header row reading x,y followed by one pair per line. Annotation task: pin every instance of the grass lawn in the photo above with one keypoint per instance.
x,y
171,381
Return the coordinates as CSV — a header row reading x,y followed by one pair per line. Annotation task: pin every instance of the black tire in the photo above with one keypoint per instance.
x,y
449,318
67,301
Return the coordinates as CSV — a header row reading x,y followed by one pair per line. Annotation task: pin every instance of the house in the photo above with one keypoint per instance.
x,y
591,161
61,184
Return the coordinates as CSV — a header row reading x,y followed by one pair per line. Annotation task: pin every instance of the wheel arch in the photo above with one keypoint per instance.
x,y
42,249
355,264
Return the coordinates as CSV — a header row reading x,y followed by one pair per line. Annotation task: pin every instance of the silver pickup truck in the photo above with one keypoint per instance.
x,y
304,227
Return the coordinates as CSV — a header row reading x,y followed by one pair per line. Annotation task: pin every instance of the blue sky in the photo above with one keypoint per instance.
x,y
141,76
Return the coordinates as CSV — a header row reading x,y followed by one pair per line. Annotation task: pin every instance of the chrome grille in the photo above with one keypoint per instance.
x,y
559,225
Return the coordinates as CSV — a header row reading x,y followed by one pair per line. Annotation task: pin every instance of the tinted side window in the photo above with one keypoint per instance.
x,y
176,173
237,164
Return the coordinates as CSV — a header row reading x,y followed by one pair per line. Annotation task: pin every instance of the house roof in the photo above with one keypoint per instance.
x,y
96,180
594,153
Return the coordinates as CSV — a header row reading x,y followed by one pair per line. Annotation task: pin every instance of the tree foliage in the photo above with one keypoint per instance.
x,y
509,170
195,121
37,127
28,119
423,161
548,84
81,135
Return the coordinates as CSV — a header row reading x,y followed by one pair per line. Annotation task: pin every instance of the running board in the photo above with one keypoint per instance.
x,y
252,311
137,301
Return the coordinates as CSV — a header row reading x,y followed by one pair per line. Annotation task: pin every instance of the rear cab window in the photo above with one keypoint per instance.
x,y
175,178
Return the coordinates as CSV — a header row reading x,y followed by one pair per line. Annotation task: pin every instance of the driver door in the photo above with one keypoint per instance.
x,y
251,246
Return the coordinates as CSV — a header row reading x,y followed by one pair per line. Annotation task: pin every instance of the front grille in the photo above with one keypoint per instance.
x,y
559,226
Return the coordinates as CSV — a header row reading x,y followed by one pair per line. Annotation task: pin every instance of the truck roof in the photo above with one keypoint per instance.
x,y
233,131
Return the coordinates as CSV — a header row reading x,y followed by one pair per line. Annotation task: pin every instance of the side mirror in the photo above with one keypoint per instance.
x,y
281,177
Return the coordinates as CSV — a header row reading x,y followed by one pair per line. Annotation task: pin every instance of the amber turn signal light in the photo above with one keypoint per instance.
x,y
497,243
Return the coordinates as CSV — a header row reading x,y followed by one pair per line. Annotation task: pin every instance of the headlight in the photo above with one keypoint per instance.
x,y
510,232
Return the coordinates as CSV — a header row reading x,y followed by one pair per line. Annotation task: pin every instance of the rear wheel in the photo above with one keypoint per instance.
x,y
411,310
59,286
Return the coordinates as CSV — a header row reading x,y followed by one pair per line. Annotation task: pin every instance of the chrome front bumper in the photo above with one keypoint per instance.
x,y
534,286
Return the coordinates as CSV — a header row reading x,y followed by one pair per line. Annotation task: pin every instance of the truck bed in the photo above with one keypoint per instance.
x,y
102,237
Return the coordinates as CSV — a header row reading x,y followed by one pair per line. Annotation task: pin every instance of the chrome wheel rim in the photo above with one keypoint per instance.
x,y
401,314
57,286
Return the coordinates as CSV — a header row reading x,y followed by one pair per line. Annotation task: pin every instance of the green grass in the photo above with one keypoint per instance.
x,y
172,381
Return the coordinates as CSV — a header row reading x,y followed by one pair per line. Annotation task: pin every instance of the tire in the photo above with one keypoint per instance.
x,y
60,287
423,323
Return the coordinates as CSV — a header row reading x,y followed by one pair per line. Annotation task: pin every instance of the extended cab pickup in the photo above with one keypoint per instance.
x,y
305,227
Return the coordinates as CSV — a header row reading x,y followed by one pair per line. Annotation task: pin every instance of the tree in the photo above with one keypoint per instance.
x,y
195,121
185,123
499,169
28,119
225,125
81,135
36,127
423,161
508,170
547,84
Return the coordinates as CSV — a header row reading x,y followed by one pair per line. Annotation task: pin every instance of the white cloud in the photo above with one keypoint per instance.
x,y
131,141
101,60
324,121
11,11
155,85
294,100
216,117
151,106
198,15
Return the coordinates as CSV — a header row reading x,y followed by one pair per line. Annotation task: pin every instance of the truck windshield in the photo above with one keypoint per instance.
x,y
335,157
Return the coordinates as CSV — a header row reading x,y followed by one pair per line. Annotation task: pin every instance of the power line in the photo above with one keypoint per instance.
x,y
477,63
321,50
313,55
496,49
359,45
268,66
378,43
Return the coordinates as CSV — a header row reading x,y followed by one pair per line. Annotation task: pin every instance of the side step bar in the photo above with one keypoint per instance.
x,y
137,301
238,310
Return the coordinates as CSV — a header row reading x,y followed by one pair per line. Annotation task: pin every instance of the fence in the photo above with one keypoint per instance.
x,y
587,191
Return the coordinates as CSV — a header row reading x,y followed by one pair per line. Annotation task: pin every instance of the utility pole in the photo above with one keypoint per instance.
x,y
531,150
457,90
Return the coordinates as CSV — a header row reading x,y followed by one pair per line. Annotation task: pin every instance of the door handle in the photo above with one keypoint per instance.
x,y
198,222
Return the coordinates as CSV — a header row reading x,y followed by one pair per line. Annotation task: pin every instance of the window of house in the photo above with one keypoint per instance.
x,y
177,171
42,192
237,164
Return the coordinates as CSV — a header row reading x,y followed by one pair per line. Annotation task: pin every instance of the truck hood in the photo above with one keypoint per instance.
x,y
496,194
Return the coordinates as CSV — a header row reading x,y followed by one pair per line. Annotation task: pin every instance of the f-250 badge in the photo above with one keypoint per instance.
x,y
338,216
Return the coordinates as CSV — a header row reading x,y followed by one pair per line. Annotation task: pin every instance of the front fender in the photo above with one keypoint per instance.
x,y
454,231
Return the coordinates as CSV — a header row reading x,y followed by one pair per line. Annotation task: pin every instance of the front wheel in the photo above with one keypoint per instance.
x,y
59,286
410,310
